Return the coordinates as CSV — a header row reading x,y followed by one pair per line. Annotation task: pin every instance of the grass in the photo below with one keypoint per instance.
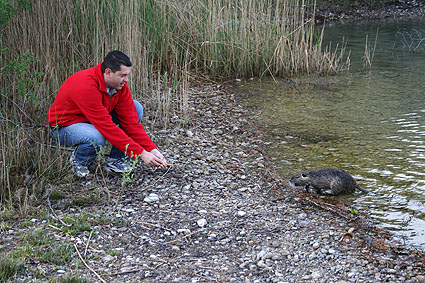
x,y
39,246
172,44
73,278
10,267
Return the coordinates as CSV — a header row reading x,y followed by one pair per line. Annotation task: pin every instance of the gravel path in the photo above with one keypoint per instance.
x,y
218,214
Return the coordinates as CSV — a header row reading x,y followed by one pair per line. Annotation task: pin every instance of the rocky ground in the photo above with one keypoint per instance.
x,y
393,11
218,213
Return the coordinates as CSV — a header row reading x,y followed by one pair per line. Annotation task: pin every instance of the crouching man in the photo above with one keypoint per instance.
x,y
95,105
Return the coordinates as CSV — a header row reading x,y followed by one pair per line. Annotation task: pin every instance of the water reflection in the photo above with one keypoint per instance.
x,y
370,123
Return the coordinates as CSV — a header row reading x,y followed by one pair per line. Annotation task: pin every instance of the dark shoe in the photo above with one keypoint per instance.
x,y
117,165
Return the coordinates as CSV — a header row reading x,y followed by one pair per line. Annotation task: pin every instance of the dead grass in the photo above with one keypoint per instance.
x,y
170,43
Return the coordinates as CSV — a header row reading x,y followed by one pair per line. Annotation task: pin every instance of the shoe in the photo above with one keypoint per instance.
x,y
79,169
114,165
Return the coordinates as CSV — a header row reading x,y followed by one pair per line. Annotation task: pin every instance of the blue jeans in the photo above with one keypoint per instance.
x,y
88,139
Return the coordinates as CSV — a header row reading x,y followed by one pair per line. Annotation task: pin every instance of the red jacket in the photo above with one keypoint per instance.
x,y
83,98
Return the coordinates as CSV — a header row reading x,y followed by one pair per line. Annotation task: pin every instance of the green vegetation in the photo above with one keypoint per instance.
x,y
70,279
170,43
10,267
39,246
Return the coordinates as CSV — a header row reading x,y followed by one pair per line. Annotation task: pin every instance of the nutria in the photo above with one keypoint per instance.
x,y
327,181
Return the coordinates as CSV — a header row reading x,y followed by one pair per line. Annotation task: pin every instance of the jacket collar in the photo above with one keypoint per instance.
x,y
99,74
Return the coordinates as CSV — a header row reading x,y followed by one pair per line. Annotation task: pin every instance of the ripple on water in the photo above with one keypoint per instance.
x,y
370,123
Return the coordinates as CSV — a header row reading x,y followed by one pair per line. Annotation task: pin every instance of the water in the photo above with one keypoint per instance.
x,y
368,122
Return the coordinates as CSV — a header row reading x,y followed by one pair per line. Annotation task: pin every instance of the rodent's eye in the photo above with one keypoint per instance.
x,y
303,175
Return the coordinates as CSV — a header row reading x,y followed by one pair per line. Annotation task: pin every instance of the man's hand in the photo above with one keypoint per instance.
x,y
154,158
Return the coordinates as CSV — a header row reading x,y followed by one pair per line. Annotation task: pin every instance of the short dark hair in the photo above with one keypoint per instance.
x,y
114,60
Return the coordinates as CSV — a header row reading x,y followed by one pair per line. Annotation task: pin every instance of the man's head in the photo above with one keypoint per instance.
x,y
115,68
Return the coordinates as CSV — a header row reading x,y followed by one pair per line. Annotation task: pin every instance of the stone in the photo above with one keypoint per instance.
x,y
201,222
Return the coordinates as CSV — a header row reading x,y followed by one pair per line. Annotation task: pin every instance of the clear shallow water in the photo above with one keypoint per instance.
x,y
370,123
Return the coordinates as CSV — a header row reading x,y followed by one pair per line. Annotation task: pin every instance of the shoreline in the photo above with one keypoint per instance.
x,y
220,213
393,12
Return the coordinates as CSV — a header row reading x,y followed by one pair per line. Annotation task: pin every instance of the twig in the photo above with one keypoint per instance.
x,y
54,214
182,238
207,278
125,272
19,108
327,207
87,245
54,227
28,174
154,225
85,263
158,178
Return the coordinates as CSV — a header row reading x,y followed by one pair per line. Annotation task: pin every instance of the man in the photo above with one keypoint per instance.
x,y
95,105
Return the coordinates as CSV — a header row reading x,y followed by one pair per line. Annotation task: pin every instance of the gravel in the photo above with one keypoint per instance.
x,y
219,213
393,11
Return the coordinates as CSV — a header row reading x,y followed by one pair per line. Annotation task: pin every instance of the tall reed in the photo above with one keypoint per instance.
x,y
169,42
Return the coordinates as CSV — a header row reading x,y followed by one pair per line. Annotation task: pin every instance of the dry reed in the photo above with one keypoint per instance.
x,y
168,41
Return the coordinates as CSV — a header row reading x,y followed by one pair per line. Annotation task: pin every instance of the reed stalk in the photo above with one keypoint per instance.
x,y
369,53
169,42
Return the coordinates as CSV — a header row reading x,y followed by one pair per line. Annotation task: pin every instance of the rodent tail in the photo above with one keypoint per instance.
x,y
363,189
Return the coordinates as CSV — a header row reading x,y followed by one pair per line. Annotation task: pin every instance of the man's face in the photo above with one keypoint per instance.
x,y
118,79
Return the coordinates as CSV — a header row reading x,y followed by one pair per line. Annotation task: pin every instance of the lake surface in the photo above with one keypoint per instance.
x,y
368,122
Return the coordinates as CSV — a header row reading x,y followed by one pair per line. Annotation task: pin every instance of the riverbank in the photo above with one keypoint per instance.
x,y
219,213
395,11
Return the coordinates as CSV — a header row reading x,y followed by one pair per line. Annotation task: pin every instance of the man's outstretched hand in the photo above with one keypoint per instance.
x,y
154,158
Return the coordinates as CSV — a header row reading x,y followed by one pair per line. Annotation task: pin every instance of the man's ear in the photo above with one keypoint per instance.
x,y
108,71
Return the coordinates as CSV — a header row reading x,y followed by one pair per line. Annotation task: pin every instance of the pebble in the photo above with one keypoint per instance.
x,y
202,222
261,254
175,249
183,231
261,264
108,258
284,239
126,269
151,198
316,275
189,133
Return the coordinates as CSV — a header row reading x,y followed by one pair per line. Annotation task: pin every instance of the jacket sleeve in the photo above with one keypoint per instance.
x,y
127,115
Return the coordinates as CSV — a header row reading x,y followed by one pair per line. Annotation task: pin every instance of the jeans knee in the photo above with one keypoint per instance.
x,y
92,145
97,140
